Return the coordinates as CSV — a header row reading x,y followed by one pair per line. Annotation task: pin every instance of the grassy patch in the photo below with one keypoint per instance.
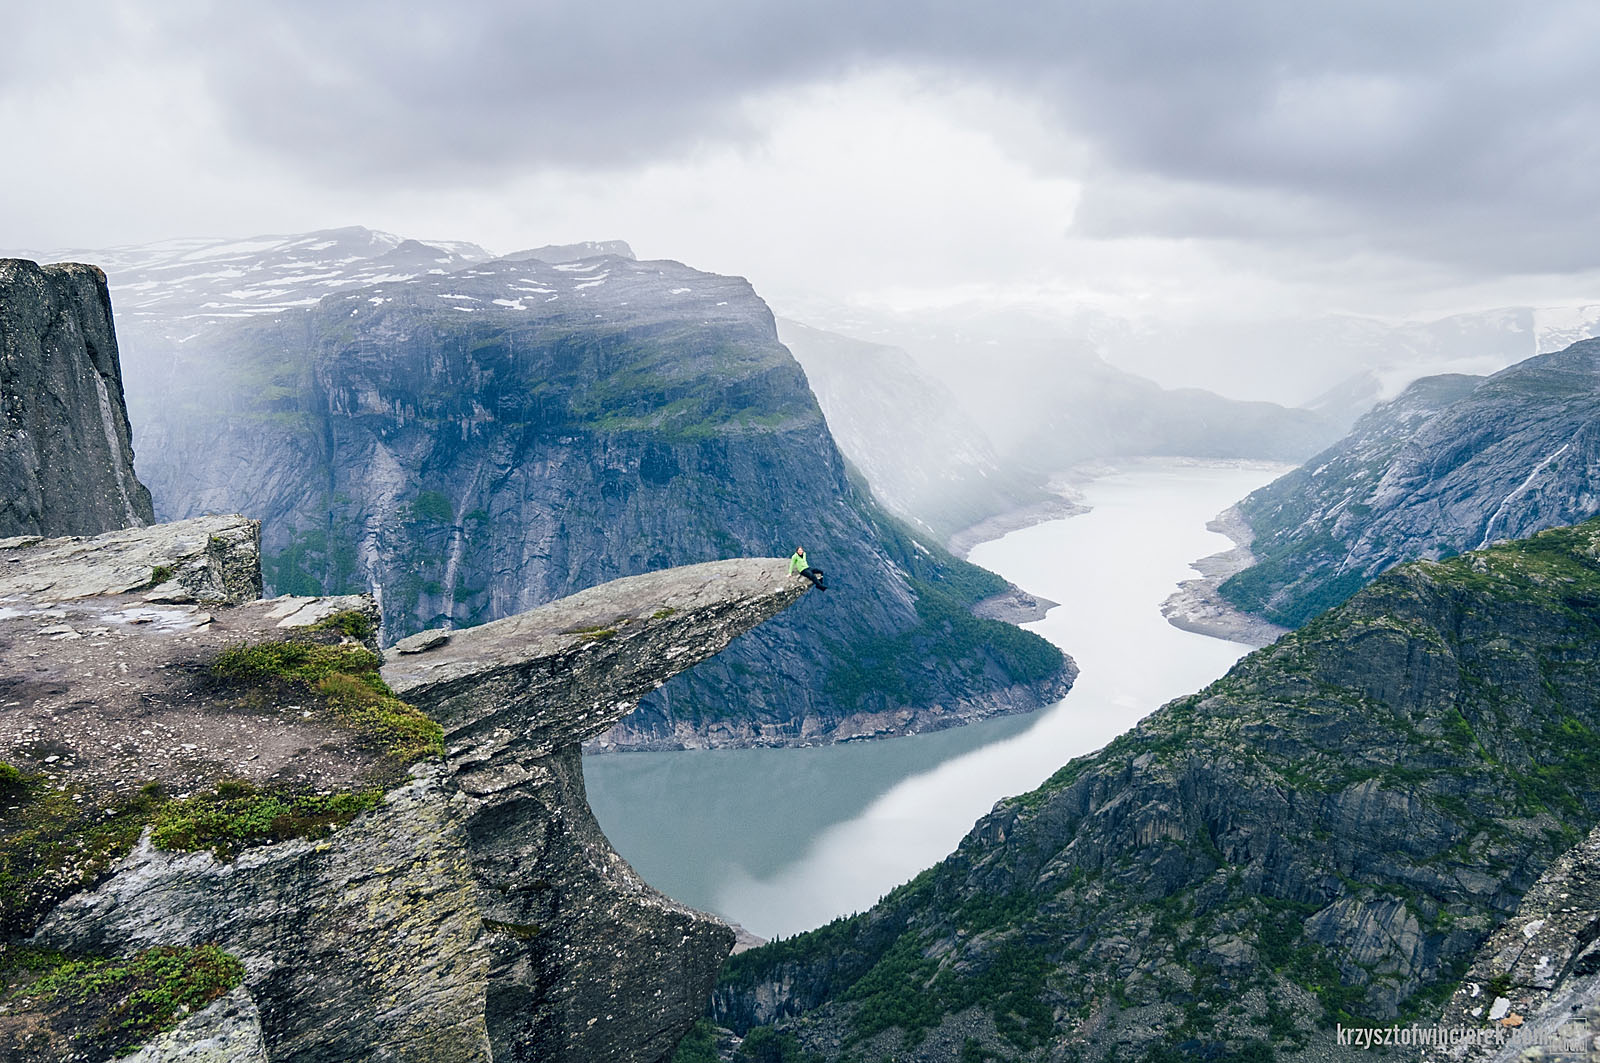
x,y
346,679
160,574
699,1045
351,622
237,815
596,632
434,507
109,1006
53,846
767,1045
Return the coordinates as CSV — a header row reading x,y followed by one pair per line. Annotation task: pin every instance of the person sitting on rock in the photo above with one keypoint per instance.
x,y
799,564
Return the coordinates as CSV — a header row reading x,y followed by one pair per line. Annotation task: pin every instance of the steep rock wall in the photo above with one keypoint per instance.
x,y
66,452
1453,463
1325,835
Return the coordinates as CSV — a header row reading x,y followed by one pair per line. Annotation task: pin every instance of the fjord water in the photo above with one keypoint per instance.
x,y
782,840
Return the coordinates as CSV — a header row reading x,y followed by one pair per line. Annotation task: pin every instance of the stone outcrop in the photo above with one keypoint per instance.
x,y
1325,835
476,913
66,452
1535,984
203,559
516,697
1453,463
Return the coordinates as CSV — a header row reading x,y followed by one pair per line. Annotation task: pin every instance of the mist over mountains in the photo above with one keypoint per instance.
x,y
898,280
1337,365
473,436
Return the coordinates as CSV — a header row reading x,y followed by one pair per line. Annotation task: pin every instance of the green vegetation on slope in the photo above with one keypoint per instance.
x,y
1452,462
948,650
346,679
52,846
1279,852
237,815
58,839
104,1006
665,432
55,842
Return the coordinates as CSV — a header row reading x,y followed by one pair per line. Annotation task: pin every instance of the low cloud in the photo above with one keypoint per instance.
x,y
1457,133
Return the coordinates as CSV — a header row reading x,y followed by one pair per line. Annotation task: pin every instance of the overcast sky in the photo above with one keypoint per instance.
x,y
1252,159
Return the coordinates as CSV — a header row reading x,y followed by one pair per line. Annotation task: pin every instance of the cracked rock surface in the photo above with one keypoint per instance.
x,y
1536,981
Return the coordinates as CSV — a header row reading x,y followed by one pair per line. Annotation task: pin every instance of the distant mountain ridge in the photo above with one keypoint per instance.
x,y
1454,463
180,287
480,441
554,253
962,427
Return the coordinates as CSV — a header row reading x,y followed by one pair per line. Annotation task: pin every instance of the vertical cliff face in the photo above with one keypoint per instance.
x,y
66,455
585,962
468,910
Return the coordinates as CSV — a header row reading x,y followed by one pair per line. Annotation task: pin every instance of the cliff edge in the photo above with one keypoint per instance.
x,y
66,451
361,861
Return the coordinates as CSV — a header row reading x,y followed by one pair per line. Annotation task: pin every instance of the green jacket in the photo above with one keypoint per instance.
x,y
798,564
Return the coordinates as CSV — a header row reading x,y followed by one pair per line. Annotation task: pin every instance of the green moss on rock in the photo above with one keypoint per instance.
x,y
1291,835
52,846
346,679
107,1006
351,622
237,816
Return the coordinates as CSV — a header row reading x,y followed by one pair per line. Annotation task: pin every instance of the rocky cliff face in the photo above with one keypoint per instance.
x,y
1454,463
475,443
181,778
1327,834
1535,984
66,456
